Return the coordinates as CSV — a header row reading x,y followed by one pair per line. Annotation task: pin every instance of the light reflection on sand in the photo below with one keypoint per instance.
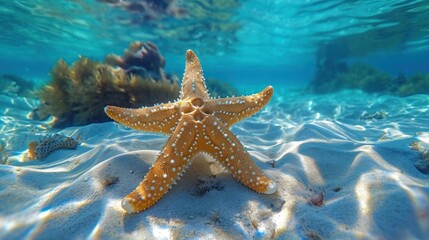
x,y
365,168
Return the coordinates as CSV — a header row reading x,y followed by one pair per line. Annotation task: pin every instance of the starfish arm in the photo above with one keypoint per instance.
x,y
193,84
161,118
169,167
226,148
235,109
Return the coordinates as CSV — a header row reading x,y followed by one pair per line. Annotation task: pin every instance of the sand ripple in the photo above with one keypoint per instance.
x,y
310,145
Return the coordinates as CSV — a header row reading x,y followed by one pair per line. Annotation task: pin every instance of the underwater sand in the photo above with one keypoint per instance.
x,y
364,168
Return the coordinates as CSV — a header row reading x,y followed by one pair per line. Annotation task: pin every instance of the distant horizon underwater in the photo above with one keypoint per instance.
x,y
344,138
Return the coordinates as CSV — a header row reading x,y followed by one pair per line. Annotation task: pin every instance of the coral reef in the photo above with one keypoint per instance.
x,y
334,76
334,73
12,85
143,59
41,149
357,76
416,84
77,94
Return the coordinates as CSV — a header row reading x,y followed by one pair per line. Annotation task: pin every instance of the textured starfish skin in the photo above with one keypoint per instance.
x,y
196,124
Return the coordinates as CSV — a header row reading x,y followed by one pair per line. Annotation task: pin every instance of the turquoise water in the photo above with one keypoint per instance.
x,y
239,41
348,121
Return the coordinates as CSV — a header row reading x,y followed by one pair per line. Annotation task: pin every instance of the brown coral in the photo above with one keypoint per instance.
x,y
141,58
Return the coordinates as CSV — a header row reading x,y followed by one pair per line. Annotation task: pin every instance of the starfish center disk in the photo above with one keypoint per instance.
x,y
197,102
199,116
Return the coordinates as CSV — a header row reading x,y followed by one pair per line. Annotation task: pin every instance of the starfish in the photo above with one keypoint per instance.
x,y
195,124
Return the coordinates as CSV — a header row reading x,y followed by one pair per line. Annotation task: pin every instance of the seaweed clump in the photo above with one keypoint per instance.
x,y
77,94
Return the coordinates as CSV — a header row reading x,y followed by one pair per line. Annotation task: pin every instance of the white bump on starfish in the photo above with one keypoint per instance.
x,y
271,188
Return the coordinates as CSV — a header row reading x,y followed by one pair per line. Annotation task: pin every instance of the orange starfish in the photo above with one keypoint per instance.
x,y
196,124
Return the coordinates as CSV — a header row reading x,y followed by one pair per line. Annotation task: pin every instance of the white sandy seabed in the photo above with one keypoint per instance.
x,y
310,145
